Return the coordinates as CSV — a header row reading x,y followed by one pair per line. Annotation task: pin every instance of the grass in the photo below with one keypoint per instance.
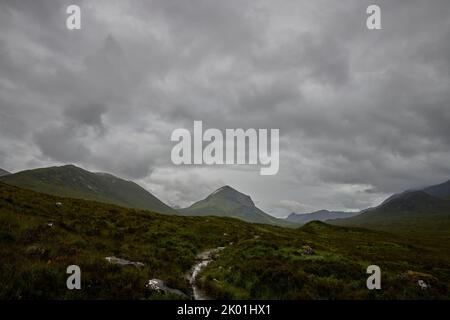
x,y
259,261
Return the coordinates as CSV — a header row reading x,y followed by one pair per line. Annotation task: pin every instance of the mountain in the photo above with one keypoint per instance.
x,y
3,172
321,215
39,239
228,202
415,212
440,190
71,181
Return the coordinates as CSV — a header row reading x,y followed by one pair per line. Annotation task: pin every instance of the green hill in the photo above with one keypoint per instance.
x,y
415,214
71,181
228,202
40,235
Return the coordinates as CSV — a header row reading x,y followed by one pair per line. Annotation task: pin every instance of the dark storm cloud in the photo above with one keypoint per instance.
x,y
361,113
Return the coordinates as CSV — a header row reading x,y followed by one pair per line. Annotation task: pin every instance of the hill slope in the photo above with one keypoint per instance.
x,y
39,239
414,213
71,181
3,172
440,190
321,215
228,202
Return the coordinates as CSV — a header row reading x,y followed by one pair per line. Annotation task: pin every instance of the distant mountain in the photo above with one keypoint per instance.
x,y
71,181
321,215
228,202
440,190
413,212
3,172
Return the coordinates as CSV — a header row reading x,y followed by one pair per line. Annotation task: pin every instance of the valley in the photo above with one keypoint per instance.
x,y
39,239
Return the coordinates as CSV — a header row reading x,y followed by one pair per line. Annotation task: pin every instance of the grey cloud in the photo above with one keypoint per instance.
x,y
90,115
361,114
61,143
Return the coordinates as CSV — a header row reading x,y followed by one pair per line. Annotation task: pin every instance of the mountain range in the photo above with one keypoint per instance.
x,y
75,182
71,181
403,211
320,215
39,238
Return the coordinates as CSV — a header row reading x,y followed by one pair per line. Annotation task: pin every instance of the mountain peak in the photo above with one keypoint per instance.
x,y
228,202
4,172
225,188
228,193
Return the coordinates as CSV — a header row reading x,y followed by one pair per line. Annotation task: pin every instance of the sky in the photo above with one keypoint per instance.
x,y
362,113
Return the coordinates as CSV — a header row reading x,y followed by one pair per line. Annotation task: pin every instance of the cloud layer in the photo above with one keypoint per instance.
x,y
361,113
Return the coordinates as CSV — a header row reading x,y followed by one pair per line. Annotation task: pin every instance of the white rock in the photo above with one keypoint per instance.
x,y
422,284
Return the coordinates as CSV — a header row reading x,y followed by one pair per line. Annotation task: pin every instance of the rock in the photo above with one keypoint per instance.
x,y
307,250
422,284
58,204
422,280
37,251
155,285
123,262
160,286
50,224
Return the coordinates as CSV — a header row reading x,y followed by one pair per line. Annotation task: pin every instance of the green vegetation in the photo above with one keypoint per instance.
x,y
40,235
228,202
417,216
74,182
283,266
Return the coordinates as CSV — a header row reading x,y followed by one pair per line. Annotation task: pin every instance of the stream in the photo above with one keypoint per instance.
x,y
203,259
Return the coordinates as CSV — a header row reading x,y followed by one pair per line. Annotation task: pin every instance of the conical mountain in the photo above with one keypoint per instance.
x,y
228,202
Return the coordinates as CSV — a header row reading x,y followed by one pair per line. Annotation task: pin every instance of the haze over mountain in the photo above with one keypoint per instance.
x,y
228,202
3,172
321,215
440,190
74,182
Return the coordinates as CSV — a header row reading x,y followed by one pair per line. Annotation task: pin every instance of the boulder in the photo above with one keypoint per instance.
x,y
423,280
123,262
307,250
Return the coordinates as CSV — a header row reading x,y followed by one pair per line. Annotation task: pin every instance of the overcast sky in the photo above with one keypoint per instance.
x,y
362,114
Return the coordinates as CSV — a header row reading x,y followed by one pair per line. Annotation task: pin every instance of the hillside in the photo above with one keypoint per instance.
x,y
321,215
42,234
228,202
440,190
71,181
3,172
415,214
